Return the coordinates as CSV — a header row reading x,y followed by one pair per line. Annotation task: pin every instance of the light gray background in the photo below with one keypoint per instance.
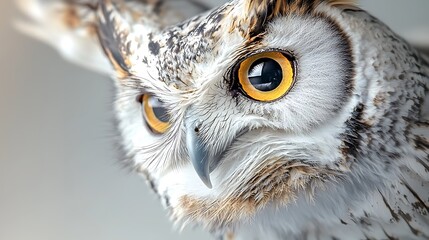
x,y
59,174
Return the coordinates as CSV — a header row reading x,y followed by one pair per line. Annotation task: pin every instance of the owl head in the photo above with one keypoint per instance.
x,y
255,105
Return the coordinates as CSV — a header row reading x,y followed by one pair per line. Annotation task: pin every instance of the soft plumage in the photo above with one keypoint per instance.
x,y
343,153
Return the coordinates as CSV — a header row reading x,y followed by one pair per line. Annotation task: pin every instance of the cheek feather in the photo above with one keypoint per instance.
x,y
277,182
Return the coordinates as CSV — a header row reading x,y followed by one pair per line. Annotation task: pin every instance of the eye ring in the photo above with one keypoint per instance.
x,y
155,114
269,83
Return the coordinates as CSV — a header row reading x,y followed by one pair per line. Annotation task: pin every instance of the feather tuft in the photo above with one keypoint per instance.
x,y
262,11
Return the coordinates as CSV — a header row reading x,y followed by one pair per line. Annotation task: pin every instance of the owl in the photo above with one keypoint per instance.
x,y
261,119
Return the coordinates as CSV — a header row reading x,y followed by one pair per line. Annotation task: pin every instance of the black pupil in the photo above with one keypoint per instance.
x,y
161,114
159,111
265,74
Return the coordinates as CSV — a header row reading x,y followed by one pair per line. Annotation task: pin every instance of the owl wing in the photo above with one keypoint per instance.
x,y
71,26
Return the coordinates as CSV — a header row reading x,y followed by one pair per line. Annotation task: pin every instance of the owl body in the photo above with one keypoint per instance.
x,y
283,119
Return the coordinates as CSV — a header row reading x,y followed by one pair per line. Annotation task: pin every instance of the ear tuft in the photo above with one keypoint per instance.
x,y
262,11
114,32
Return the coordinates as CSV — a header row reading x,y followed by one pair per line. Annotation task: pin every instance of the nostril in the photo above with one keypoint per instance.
x,y
198,125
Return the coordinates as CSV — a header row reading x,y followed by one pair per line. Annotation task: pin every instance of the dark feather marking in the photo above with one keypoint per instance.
x,y
154,47
415,194
420,74
423,164
364,221
420,123
389,237
352,136
421,143
407,219
394,215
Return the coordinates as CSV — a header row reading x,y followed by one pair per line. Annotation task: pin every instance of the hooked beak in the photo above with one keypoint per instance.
x,y
199,156
202,157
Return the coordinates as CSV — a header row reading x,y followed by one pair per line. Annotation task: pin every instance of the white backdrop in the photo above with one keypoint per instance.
x,y
59,174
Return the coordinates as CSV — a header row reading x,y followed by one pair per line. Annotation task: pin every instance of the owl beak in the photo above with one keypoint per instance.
x,y
199,156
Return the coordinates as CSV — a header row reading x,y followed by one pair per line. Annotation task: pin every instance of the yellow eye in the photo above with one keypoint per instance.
x,y
155,114
266,76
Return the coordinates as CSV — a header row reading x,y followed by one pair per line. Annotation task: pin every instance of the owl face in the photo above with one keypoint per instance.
x,y
239,109
261,119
